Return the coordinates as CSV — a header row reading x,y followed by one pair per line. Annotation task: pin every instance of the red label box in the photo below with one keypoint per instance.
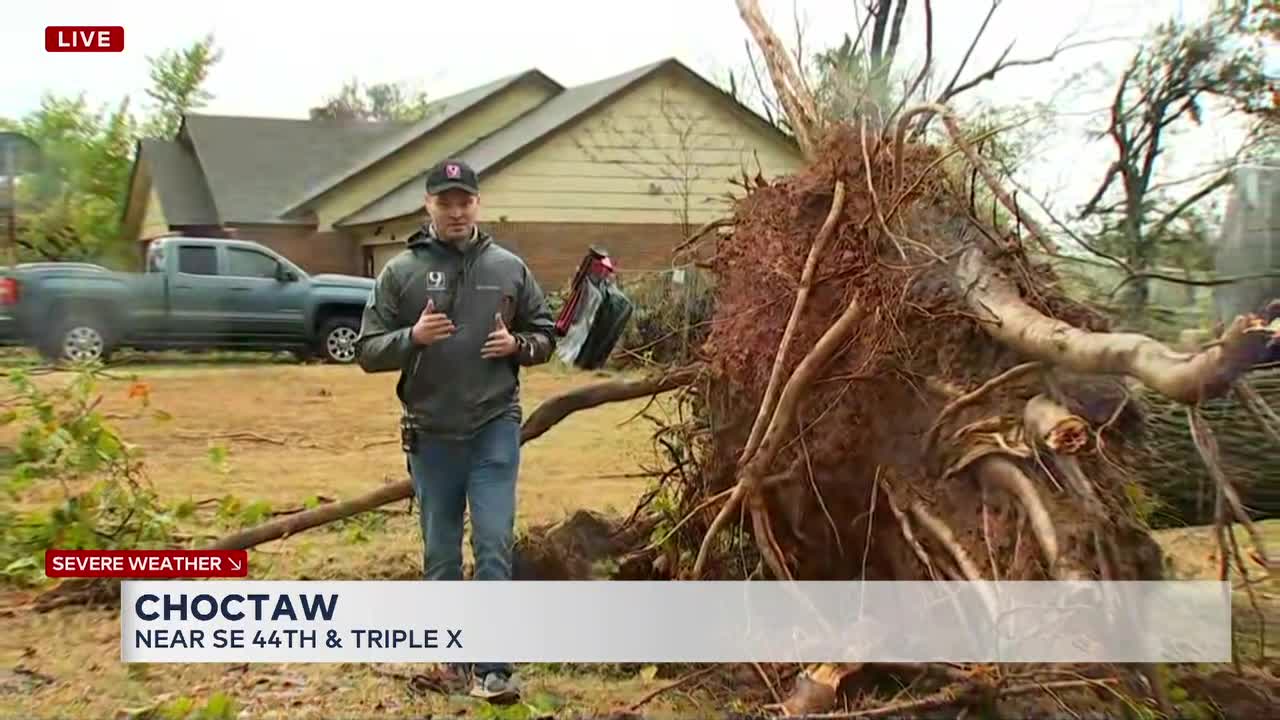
x,y
146,563
84,38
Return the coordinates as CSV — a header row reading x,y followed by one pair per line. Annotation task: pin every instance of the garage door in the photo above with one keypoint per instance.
x,y
383,253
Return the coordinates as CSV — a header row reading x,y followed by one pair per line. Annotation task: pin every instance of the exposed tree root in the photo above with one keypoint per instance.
x,y
1062,436
1185,377
1259,409
1003,474
782,423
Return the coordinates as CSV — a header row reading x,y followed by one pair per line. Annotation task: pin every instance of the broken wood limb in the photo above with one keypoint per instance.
x,y
816,688
800,107
557,408
550,412
293,524
969,398
1063,434
1054,427
1184,377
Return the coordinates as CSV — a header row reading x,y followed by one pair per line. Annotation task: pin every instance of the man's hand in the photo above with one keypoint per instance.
x,y
501,342
432,326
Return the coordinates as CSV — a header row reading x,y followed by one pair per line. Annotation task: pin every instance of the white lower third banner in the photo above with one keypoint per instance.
x,y
406,621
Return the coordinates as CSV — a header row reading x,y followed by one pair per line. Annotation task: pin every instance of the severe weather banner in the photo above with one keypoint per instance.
x,y
403,621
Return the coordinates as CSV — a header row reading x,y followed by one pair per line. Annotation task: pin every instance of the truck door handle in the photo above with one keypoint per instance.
x,y
241,289
182,287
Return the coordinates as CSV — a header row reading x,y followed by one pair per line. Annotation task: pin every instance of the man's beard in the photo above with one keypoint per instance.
x,y
456,236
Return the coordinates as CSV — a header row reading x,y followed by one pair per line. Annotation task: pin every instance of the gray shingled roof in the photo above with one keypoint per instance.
x,y
438,113
176,177
254,165
497,147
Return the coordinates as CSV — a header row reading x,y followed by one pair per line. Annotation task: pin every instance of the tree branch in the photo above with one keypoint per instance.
x,y
800,107
1002,64
973,45
1206,282
1221,181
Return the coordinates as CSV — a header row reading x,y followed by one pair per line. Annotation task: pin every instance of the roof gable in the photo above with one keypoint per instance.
x,y
438,113
264,170
252,165
178,181
529,130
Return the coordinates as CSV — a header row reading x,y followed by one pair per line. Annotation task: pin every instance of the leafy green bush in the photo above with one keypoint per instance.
x,y
64,439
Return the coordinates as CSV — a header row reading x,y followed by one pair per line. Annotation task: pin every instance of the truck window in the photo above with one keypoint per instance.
x,y
198,260
250,263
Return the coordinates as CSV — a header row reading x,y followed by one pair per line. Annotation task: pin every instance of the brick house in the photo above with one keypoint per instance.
x,y
629,163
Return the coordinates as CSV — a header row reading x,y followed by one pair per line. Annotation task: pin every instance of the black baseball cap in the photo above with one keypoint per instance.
x,y
451,174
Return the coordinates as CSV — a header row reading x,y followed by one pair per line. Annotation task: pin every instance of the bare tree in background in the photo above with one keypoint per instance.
x,y
863,75
1141,215
663,150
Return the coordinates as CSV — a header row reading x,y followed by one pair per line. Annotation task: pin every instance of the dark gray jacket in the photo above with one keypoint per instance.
x,y
447,388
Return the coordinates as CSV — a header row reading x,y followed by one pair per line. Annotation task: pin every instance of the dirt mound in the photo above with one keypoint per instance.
x,y
583,547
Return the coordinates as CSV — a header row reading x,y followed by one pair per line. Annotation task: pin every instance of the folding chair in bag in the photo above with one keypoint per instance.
x,y
595,315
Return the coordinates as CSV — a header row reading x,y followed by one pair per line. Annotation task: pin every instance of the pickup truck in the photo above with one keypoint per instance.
x,y
195,293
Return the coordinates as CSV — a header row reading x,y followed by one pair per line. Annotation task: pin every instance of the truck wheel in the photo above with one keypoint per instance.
x,y
79,340
338,340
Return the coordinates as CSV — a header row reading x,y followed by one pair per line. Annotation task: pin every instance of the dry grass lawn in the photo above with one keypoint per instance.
x,y
292,432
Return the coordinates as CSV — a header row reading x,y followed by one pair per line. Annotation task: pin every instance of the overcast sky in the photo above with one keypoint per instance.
x,y
280,58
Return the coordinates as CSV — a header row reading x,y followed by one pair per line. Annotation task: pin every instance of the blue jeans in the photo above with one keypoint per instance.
x,y
448,475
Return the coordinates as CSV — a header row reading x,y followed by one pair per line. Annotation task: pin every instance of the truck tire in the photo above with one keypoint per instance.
x,y
78,338
338,339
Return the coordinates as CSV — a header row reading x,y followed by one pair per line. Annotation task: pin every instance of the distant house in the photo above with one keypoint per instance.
x,y
629,163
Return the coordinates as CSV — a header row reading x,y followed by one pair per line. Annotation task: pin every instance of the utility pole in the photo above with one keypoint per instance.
x,y
11,183
20,155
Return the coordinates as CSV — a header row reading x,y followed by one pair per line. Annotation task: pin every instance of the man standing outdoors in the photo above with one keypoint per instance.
x,y
458,316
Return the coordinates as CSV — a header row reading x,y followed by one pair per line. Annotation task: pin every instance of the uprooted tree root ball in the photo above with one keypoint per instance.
x,y
886,430
894,390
